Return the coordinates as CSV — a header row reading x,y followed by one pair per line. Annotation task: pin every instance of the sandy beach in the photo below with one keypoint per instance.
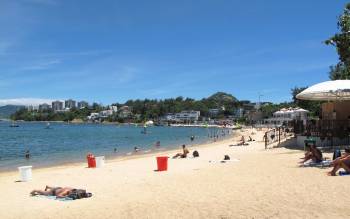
x,y
256,183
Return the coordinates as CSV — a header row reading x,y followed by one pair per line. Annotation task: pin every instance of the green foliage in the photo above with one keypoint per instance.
x,y
342,43
8,110
269,109
49,115
313,106
153,109
147,109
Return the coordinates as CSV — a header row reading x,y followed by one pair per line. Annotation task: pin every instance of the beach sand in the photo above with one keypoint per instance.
x,y
261,184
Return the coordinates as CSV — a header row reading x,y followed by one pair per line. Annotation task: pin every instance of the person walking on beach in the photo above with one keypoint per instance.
x,y
184,153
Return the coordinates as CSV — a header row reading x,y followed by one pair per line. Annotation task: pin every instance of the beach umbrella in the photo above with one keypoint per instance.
x,y
328,91
301,110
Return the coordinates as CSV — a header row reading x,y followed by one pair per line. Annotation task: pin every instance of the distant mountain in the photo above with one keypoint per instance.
x,y
8,110
221,97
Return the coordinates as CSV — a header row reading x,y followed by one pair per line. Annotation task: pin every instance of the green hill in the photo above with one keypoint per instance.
x,y
8,110
221,99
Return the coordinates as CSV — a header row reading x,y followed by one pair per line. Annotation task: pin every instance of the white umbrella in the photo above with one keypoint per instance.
x,y
329,90
301,110
149,122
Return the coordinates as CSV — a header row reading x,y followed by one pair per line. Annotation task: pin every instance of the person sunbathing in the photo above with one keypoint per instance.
x,y
184,153
62,192
59,192
341,162
314,154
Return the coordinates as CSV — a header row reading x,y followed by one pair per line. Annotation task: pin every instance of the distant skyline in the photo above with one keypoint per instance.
x,y
112,51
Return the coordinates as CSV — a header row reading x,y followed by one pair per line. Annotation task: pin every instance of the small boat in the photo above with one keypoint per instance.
x,y
14,125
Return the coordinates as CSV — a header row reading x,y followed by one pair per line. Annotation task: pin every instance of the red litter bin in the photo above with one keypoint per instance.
x,y
91,161
162,163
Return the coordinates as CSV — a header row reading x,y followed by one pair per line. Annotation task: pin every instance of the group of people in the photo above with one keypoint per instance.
x,y
64,192
341,161
242,141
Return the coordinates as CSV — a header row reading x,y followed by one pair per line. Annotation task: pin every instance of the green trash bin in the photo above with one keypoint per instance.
x,y
308,142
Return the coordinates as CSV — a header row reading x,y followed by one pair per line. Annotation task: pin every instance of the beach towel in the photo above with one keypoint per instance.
x,y
53,197
224,161
324,163
245,144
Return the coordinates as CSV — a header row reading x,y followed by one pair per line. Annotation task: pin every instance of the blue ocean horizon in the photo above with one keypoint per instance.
x,y
68,143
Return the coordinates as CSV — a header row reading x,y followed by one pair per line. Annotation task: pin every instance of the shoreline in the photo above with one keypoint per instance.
x,y
125,156
129,124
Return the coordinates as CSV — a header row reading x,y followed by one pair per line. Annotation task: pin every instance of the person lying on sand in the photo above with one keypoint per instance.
x,y
62,192
341,162
314,154
184,153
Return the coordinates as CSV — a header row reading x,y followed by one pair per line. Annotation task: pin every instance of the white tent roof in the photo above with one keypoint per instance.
x,y
149,122
301,110
289,110
329,90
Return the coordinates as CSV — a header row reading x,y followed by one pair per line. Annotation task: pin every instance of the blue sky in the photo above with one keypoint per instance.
x,y
112,51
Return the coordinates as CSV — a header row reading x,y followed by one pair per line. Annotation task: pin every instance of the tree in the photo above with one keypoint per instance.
x,y
342,43
313,106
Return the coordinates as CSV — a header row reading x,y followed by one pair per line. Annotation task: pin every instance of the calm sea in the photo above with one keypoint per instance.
x,y
62,143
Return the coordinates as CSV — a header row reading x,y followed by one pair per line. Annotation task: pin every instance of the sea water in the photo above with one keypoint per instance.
x,y
62,143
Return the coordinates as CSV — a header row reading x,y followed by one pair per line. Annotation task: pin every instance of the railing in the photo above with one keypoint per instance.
x,y
330,132
277,135
323,128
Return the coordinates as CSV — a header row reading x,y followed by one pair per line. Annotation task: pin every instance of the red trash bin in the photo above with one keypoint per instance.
x,y
162,163
91,161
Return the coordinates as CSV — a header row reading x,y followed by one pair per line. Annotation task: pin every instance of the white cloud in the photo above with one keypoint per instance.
x,y
42,65
42,2
25,101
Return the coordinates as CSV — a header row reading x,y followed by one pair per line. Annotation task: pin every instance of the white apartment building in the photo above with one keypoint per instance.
x,y
286,115
188,116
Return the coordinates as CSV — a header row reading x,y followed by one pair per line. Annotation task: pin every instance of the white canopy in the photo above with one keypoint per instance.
x,y
329,90
149,122
301,110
